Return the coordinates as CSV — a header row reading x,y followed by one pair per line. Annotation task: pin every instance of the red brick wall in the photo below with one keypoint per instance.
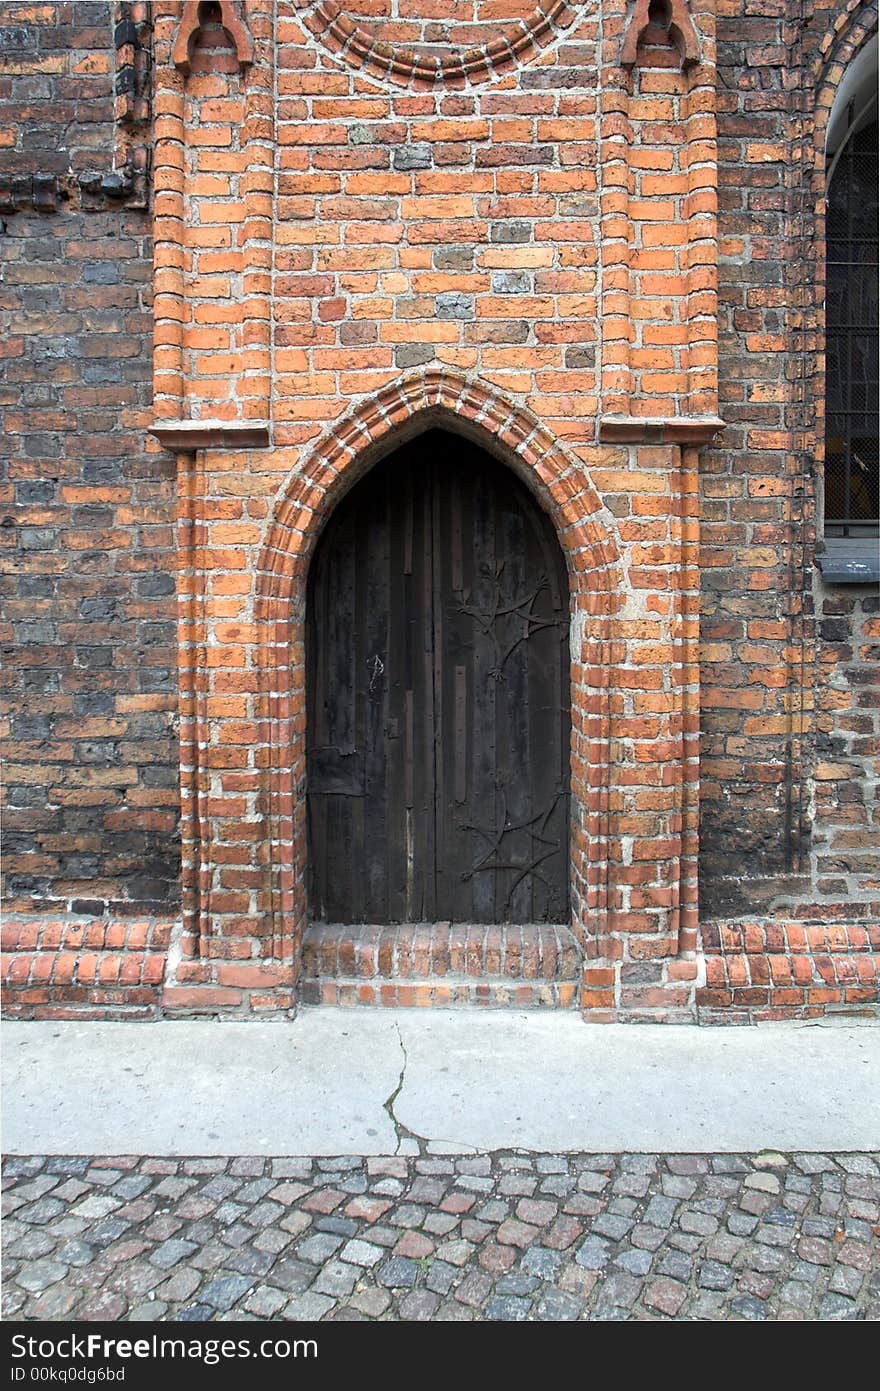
x,y
435,255
503,227
846,846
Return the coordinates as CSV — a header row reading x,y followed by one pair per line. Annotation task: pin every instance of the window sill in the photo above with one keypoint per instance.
x,y
844,560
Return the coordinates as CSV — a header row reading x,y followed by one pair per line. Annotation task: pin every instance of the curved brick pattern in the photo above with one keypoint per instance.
x,y
441,964
473,44
505,1237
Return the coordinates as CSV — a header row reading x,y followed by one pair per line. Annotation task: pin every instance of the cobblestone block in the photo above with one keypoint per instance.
x,y
388,1269
336,1279
837,1306
635,1261
557,1306
593,1253
291,1275
508,1309
170,1252
37,1275
362,1253
399,1272
308,1306
666,1296
541,1262
715,1276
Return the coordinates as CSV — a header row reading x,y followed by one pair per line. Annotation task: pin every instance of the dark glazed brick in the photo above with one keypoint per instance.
x,y
76,447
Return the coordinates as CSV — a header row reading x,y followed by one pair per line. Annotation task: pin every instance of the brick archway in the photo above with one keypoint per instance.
x,y
516,41
562,485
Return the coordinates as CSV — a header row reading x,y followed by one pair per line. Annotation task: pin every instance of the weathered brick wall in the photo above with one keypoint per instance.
x,y
789,676
89,633
519,237
845,848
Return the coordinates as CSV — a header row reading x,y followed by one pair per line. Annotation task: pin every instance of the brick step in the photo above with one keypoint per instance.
x,y
445,964
71,967
789,969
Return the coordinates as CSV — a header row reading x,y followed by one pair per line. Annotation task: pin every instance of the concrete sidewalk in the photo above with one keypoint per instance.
x,y
359,1082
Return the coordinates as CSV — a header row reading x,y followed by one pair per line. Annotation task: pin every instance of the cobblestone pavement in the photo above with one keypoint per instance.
x,y
500,1237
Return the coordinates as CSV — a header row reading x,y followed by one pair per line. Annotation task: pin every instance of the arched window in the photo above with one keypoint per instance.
x,y
852,308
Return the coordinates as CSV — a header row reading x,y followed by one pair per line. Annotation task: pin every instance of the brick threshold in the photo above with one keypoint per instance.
x,y
533,966
789,969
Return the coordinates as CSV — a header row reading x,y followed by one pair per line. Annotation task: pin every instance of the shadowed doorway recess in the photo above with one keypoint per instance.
x,y
438,709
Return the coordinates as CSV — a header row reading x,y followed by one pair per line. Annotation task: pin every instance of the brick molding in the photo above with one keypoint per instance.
x,y
186,436
83,968
683,429
796,969
364,45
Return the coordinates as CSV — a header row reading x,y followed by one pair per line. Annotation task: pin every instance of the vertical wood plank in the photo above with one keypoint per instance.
x,y
378,816
438,697
519,578
483,803
461,697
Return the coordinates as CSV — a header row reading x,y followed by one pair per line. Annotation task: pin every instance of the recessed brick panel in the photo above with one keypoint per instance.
x,y
89,619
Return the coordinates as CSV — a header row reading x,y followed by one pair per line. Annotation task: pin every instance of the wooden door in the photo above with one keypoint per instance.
x,y
438,697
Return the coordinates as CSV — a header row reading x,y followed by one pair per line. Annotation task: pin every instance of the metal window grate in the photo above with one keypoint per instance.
x,y
852,401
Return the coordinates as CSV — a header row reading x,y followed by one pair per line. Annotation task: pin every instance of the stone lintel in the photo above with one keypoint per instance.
x,y
637,429
178,435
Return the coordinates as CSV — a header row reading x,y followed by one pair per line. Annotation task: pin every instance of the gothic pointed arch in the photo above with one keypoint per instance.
x,y
313,487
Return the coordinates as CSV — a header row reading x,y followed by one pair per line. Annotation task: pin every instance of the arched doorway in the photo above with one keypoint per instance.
x,y
438,705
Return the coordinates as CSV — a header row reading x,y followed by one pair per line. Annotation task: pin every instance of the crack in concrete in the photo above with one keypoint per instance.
x,y
402,1131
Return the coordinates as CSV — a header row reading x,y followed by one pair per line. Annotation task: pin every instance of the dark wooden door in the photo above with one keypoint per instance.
x,y
438,697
